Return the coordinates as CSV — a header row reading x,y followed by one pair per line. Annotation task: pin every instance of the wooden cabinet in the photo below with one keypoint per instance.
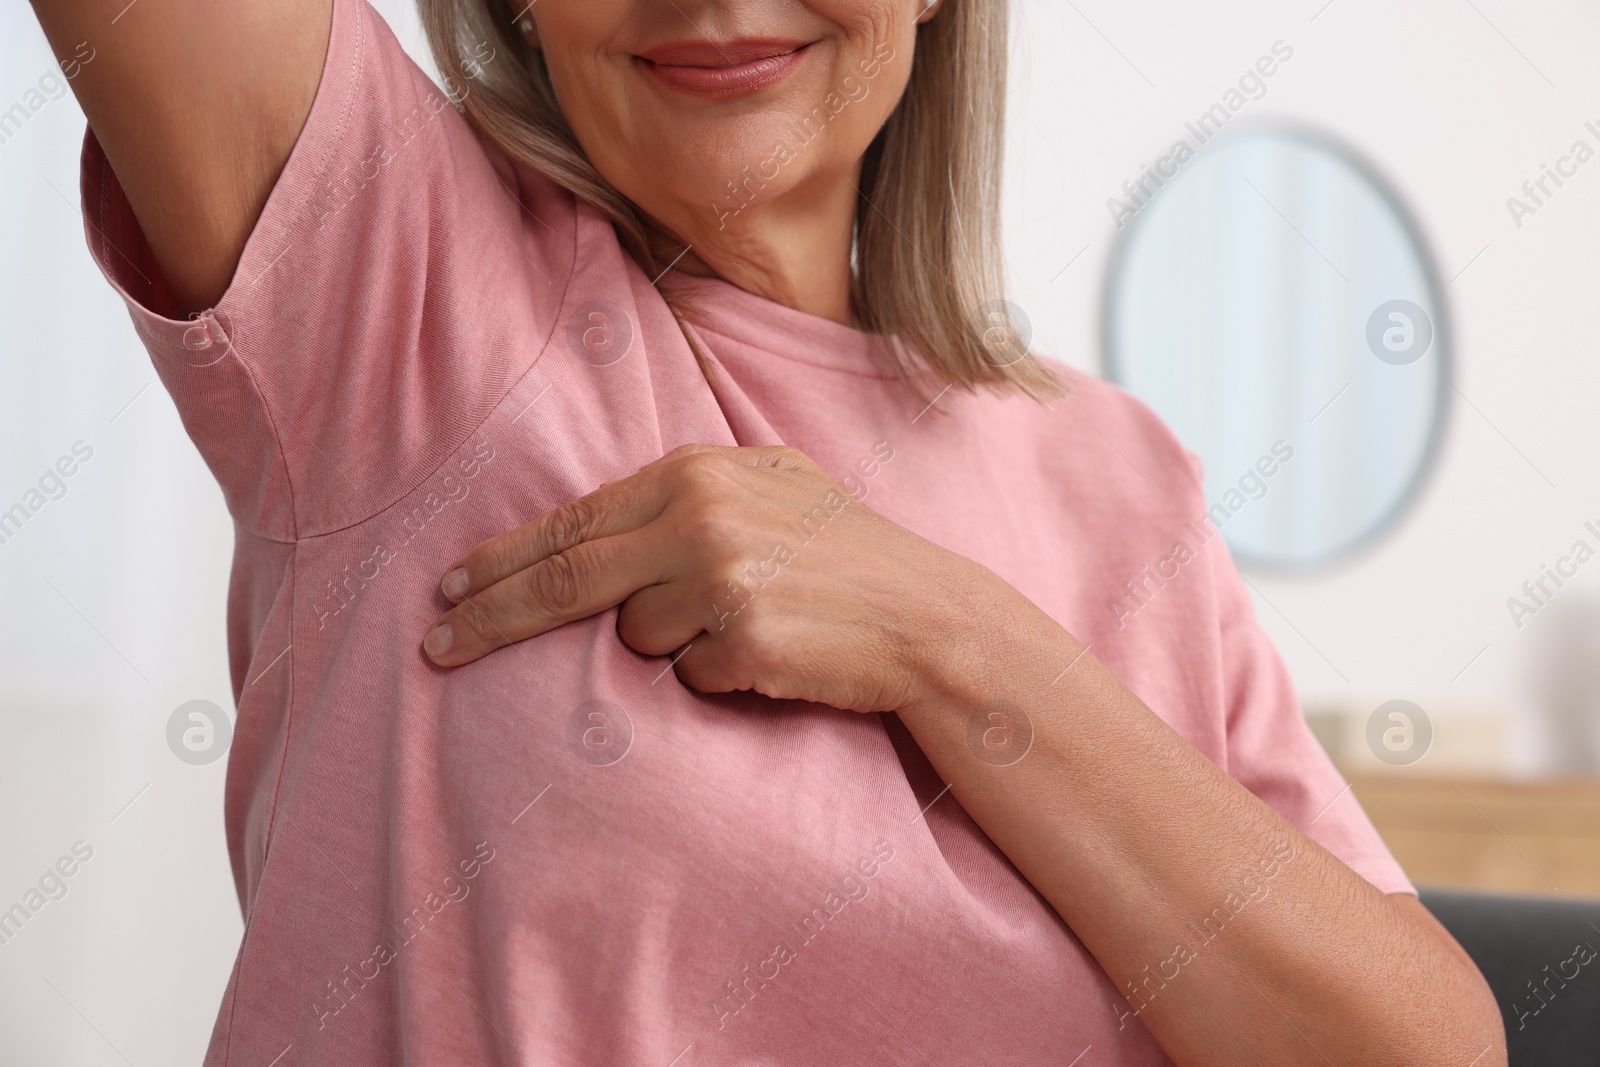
x,y
1496,836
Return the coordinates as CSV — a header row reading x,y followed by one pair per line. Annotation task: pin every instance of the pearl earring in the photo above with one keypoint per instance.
x,y
526,25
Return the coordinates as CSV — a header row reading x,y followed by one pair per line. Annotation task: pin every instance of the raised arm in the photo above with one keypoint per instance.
x,y
197,105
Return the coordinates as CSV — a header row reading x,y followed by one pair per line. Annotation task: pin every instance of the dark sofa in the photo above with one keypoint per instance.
x,y
1541,957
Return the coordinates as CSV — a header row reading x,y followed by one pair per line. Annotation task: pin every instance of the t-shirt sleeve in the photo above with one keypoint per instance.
x,y
1270,747
383,304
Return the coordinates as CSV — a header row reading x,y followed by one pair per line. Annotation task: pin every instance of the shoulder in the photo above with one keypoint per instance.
x,y
1099,418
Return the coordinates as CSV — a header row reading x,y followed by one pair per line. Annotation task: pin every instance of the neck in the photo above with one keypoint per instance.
x,y
794,249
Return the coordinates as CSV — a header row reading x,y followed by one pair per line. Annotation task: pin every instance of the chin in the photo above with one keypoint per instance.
x,y
716,163
710,173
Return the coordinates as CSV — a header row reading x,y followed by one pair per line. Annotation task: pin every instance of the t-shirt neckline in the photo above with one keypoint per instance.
x,y
719,307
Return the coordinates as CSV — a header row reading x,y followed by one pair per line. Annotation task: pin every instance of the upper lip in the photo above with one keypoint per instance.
x,y
721,54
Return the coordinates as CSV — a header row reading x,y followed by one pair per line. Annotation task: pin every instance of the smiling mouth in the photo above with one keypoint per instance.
x,y
731,68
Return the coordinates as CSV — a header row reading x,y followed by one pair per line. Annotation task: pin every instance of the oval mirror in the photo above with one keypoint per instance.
x,y
1274,303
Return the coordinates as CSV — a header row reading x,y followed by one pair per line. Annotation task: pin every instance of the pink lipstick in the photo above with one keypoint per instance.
x,y
727,68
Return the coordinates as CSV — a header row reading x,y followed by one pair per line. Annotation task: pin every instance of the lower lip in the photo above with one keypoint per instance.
x,y
719,82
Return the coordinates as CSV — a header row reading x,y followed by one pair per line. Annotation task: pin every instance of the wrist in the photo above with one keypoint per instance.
x,y
983,643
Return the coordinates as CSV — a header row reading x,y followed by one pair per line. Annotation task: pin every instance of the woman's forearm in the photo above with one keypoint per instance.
x,y
1233,936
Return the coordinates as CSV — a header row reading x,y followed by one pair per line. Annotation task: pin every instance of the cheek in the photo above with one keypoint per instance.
x,y
590,92
584,52
870,20
871,63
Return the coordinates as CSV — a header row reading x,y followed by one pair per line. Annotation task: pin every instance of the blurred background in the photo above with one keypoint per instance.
x,y
1433,486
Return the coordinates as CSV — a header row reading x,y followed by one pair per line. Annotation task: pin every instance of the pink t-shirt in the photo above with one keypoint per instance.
x,y
558,854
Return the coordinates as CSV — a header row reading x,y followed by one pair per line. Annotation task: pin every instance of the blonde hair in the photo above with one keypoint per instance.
x,y
928,274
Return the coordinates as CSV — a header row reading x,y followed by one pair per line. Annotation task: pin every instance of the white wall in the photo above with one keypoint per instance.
x,y
113,595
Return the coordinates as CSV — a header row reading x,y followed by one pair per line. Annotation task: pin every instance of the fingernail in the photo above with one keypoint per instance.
x,y
456,583
438,641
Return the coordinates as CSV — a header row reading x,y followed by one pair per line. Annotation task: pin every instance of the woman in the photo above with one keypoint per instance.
x,y
932,725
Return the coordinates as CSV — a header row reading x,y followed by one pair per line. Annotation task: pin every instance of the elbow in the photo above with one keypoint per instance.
x,y
1464,1027
1480,1020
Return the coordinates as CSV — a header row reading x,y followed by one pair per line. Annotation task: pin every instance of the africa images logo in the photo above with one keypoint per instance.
x,y
1399,332
199,732
599,732
1399,732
